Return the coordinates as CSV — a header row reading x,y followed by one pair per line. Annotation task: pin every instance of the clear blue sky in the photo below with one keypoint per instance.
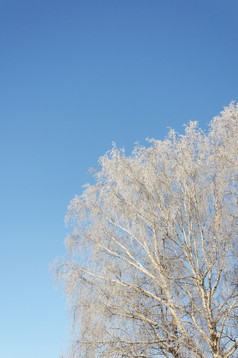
x,y
74,76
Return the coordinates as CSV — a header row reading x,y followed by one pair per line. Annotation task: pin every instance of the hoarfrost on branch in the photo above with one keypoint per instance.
x,y
151,266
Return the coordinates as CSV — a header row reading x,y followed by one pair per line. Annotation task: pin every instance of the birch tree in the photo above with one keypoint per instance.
x,y
151,265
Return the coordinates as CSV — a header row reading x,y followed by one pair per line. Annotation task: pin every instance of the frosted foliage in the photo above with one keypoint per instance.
x,y
151,266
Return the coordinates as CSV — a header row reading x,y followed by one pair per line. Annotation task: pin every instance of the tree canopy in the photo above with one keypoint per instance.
x,y
151,265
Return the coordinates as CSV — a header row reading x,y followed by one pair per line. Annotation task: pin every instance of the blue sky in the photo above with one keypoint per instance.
x,y
74,77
